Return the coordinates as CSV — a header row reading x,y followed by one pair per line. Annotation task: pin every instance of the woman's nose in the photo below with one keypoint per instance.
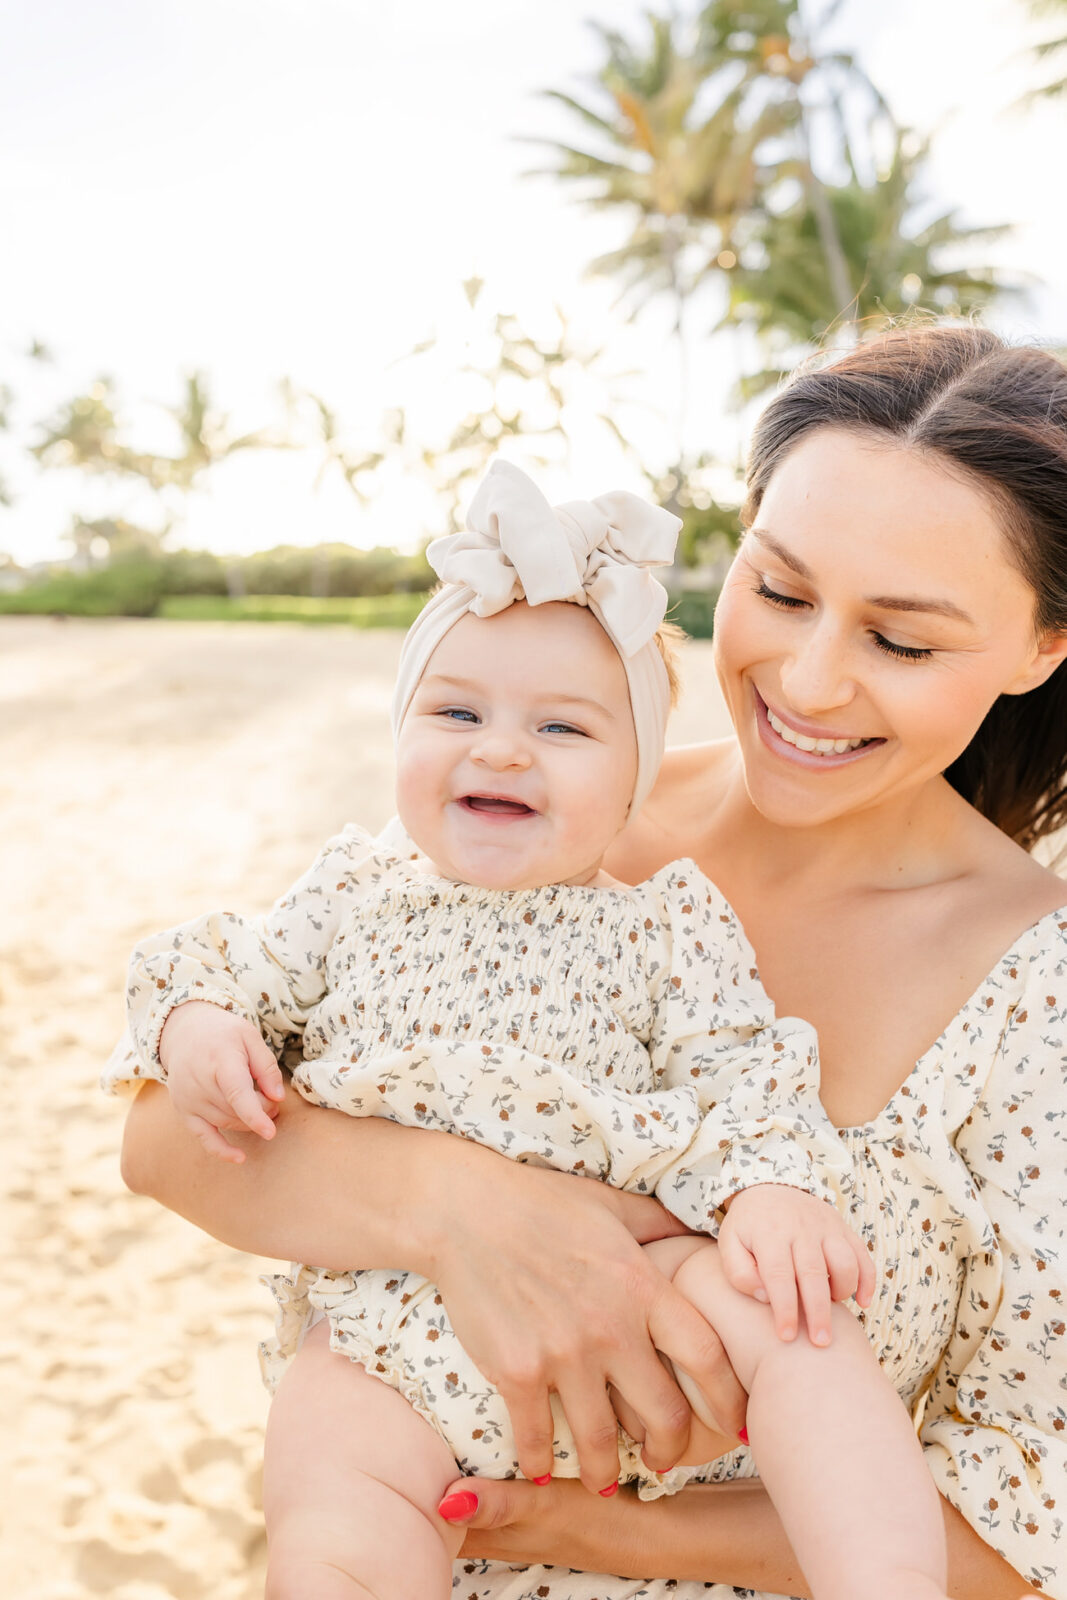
x,y
817,676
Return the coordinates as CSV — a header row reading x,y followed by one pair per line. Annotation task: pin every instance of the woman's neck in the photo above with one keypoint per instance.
x,y
905,842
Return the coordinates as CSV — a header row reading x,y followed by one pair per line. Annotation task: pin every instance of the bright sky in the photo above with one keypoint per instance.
x,y
269,187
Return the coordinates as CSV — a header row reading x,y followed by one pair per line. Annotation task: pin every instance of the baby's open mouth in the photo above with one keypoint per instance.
x,y
496,806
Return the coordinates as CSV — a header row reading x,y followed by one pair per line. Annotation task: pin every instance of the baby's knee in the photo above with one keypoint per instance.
x,y
670,1256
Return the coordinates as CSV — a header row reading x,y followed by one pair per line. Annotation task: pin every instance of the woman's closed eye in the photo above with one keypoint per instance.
x,y
899,652
790,601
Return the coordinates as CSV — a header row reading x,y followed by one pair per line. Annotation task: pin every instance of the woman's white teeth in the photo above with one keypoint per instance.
x,y
821,747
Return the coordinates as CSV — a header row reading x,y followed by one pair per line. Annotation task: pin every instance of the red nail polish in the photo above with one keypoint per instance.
x,y
612,1488
743,1436
540,1482
454,1507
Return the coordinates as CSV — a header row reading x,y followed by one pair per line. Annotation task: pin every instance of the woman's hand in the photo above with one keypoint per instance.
x,y
510,1520
549,1291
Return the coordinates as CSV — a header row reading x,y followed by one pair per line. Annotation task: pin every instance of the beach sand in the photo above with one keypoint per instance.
x,y
150,770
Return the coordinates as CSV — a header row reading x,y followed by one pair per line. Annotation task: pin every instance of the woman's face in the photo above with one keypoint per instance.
x,y
870,619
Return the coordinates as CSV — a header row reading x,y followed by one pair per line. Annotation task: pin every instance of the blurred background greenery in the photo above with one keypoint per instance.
x,y
760,199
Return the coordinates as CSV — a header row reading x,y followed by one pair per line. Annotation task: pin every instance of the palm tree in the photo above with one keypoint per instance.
x,y
780,288
340,456
683,168
86,434
1052,49
779,64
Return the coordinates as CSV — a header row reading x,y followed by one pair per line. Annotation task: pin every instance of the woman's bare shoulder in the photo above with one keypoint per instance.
x,y
1001,885
676,818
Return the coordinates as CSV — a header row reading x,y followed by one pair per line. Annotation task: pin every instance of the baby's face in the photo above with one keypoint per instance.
x,y
517,758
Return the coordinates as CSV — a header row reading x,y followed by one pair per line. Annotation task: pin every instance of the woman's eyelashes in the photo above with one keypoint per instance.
x,y
902,652
899,652
789,601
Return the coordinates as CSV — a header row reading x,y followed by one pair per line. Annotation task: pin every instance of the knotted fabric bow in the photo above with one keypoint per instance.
x,y
596,553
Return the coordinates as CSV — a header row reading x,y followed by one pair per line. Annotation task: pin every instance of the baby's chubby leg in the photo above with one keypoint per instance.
x,y
352,1478
832,1442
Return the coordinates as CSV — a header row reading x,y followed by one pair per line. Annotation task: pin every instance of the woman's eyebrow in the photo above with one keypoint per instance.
x,y
884,602
784,554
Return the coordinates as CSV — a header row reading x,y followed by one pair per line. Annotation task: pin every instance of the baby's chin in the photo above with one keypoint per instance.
x,y
497,868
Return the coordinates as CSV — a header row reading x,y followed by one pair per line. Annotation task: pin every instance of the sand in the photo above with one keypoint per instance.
x,y
147,771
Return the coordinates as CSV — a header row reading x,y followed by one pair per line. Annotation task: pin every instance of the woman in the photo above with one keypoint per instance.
x,y
890,642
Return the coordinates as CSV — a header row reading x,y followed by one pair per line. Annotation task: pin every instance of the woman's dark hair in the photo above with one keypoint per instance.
x,y
999,414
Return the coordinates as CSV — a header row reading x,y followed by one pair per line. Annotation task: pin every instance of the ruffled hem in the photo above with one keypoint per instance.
x,y
305,1295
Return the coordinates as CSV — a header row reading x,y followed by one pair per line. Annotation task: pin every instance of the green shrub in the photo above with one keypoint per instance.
x,y
130,586
342,569
694,611
366,611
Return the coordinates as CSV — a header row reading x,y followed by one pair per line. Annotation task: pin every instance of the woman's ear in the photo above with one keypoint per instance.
x,y
1050,653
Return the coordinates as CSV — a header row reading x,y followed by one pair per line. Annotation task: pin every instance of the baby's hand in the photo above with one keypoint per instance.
x,y
221,1074
776,1240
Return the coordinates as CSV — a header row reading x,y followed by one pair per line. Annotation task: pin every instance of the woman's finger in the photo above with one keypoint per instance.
x,y
679,1330
530,1412
515,1522
646,1389
643,1216
595,1428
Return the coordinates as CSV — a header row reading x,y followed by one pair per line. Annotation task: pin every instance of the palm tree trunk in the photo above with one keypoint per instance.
x,y
683,370
845,297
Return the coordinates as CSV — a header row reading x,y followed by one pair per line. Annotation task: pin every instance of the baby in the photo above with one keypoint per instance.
x,y
500,985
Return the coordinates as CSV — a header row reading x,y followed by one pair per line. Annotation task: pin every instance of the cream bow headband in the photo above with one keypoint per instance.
x,y
594,553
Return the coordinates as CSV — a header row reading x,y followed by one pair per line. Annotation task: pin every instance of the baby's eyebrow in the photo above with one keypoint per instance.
x,y
550,697
883,602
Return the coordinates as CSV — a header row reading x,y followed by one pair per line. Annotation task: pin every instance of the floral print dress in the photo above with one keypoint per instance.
x,y
648,1055
960,1188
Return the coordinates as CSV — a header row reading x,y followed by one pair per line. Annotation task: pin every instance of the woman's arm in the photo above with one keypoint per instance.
x,y
542,1273
711,1533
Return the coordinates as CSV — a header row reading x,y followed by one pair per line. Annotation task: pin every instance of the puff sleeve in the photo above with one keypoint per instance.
x,y
995,1424
271,970
755,1076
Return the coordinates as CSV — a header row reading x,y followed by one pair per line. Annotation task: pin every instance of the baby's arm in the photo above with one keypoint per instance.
x,y
761,1148
210,998
221,1074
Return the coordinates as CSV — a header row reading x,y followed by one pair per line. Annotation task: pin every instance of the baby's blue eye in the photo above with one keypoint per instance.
x,y
458,714
560,727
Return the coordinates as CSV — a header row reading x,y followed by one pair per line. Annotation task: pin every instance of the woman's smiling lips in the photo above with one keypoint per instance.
x,y
815,748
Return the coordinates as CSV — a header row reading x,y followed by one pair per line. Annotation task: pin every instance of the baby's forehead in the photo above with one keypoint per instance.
x,y
553,648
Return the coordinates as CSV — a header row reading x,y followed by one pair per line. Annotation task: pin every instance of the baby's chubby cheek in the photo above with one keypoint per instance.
x,y
418,801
